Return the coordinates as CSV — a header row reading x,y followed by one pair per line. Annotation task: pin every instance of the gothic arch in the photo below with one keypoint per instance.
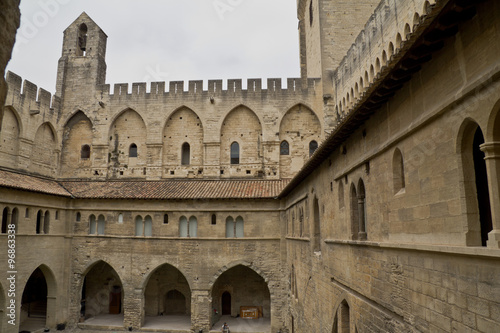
x,y
298,126
101,296
45,145
241,125
147,277
475,201
161,281
49,300
235,281
492,133
183,126
77,134
16,116
127,128
233,264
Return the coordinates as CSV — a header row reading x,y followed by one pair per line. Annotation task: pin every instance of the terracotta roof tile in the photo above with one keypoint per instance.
x,y
175,189
31,183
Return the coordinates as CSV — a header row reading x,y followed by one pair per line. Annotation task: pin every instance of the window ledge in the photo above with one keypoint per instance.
x,y
447,249
302,239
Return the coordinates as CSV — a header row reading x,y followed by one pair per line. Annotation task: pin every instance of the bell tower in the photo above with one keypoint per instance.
x,y
82,65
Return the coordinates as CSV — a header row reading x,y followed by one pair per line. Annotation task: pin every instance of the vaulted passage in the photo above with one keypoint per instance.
x,y
167,299
241,292
38,300
102,296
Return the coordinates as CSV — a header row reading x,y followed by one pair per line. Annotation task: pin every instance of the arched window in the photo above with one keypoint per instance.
x,y
132,151
100,225
301,222
165,218
186,154
317,227
148,226
27,213
239,232
82,40
362,210
354,213
398,171
235,153
188,228
92,225
345,317
284,148
482,192
214,219
144,227
234,229
341,194
193,227
85,152
5,217
139,231
313,145
120,218
15,218
39,222
46,222
78,217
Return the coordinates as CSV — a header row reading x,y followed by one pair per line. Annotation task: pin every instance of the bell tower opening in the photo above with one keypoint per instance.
x,y
81,50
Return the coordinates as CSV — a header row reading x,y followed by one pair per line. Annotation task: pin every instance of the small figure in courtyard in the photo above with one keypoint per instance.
x,y
225,328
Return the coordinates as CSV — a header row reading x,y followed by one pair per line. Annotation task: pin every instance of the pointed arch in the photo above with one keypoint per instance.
x,y
316,242
166,292
9,137
298,127
44,147
474,184
40,293
183,125
398,171
248,138
102,287
235,281
77,140
128,128
354,212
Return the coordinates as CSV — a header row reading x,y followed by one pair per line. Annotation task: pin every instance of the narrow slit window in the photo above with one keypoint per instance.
x,y
313,145
235,153
186,154
132,152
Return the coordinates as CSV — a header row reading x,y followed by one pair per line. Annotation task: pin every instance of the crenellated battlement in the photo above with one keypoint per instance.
x,y
295,86
377,47
38,99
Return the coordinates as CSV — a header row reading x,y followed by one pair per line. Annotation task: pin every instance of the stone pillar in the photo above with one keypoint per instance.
x,y
361,217
492,158
133,308
201,310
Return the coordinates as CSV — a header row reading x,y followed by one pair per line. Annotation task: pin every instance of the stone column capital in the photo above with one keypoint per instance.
x,y
491,150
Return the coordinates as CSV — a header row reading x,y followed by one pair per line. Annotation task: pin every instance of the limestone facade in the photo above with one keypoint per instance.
x,y
363,197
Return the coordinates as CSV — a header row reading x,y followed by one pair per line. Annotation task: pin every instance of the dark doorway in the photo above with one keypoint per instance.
x,y
34,300
115,300
226,303
175,302
483,197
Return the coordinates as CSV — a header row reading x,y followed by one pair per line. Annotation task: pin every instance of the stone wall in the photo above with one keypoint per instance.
x,y
409,170
9,21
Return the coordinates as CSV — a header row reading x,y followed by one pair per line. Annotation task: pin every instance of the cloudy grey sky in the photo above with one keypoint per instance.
x,y
165,40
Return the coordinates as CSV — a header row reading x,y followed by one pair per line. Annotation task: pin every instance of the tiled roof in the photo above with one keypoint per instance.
x,y
176,189
31,183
